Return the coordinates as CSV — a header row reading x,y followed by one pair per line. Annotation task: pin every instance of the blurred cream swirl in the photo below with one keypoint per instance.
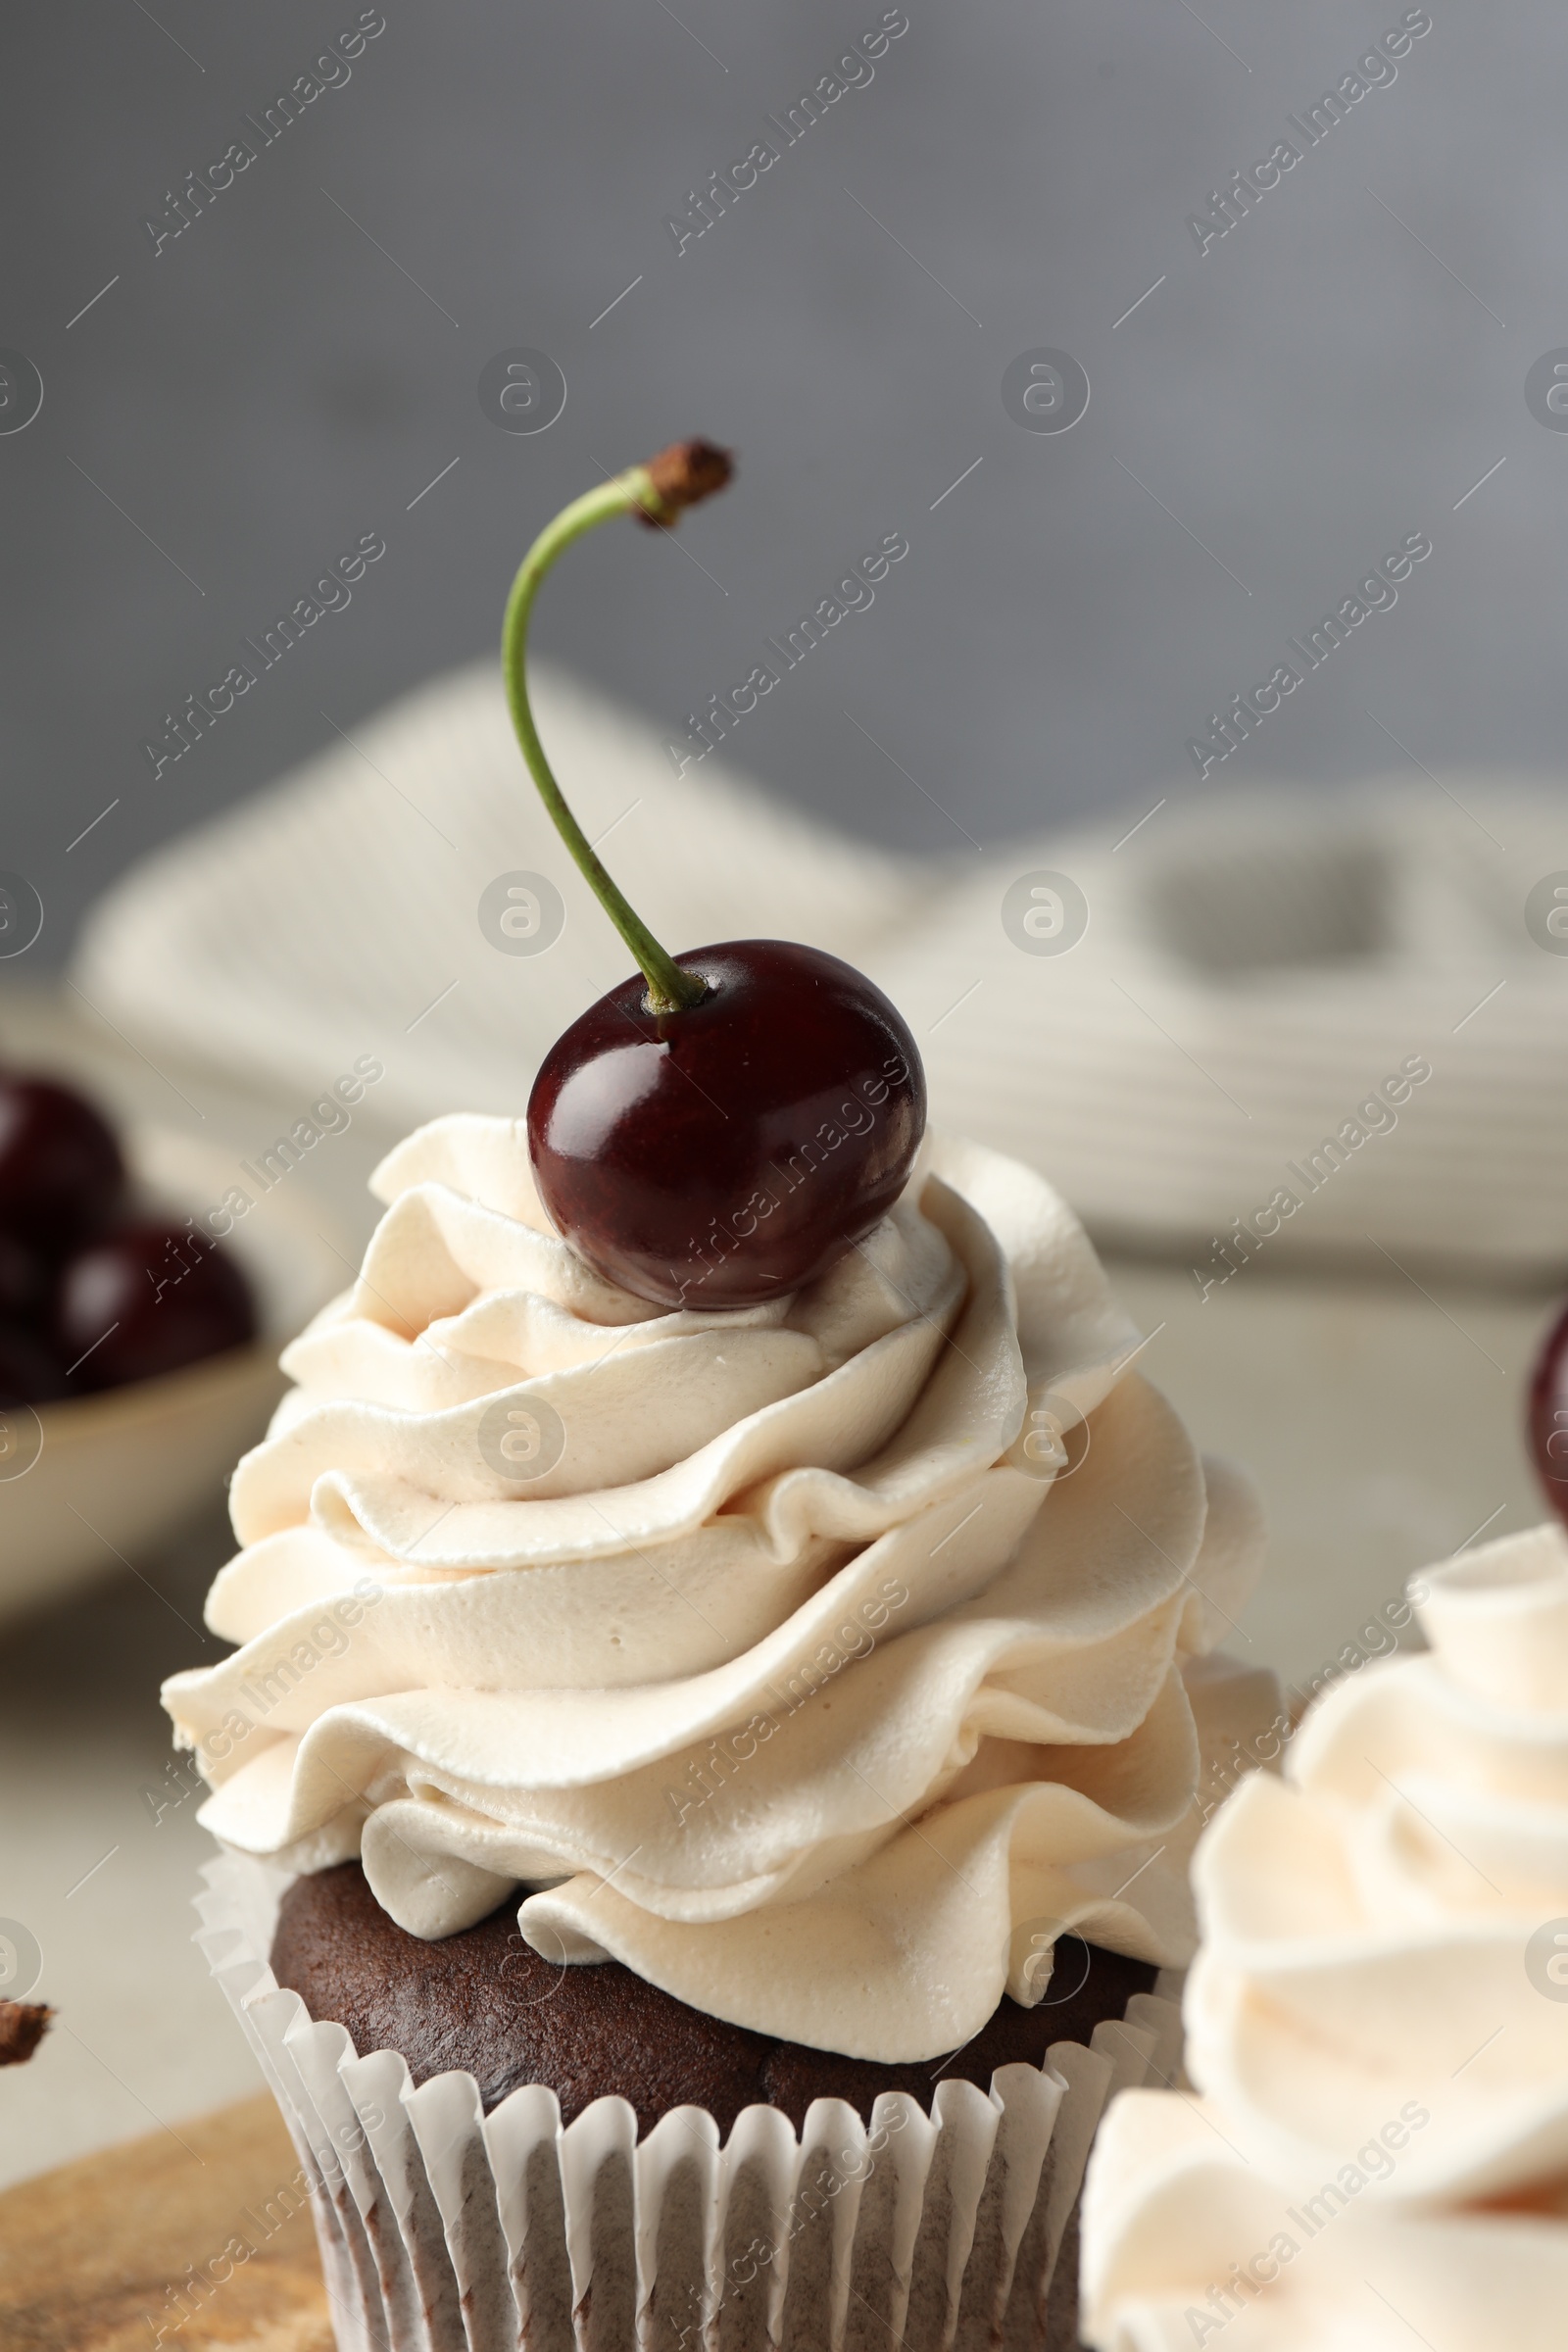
x,y
782,1658
1378,2019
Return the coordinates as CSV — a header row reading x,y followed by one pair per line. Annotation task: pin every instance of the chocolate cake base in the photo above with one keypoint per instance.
x,y
483,2000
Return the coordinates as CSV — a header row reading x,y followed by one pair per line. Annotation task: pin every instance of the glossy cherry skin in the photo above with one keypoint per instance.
x,y
147,1298
61,1173
1549,1415
725,1154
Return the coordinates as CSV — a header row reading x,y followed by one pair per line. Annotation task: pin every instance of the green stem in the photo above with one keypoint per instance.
x,y
670,988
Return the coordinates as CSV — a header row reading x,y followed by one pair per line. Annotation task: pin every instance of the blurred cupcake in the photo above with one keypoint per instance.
x,y
833,1676
1378,2019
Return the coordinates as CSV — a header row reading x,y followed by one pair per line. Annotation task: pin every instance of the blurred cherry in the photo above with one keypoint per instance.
x,y
1549,1415
24,1280
723,1154
61,1173
147,1298
28,1371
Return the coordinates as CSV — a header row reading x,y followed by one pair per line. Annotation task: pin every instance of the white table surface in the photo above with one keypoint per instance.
x,y
1382,1423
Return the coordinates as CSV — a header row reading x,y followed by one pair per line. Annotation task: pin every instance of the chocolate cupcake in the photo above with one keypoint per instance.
x,y
486,2003
715,1755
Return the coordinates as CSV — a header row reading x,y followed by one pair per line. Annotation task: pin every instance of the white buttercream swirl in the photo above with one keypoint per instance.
x,y
799,1680
1378,2019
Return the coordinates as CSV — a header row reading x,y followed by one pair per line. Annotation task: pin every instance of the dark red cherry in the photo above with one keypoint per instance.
x,y
723,1155
147,1298
28,1371
61,1173
1549,1415
25,1279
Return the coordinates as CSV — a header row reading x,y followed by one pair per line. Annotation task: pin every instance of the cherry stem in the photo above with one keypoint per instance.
x,y
657,493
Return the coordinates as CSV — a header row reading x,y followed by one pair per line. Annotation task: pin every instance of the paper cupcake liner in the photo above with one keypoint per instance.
x,y
445,2229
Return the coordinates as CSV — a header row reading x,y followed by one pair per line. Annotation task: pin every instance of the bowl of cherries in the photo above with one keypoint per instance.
x,y
138,1354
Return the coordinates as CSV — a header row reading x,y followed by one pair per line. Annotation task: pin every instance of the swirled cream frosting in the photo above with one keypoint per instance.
x,y
1378,2019
820,1661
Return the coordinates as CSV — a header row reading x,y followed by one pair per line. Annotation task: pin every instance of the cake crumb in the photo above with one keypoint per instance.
x,y
22,2026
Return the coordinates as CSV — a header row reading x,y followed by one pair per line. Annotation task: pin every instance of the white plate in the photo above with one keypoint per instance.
x,y
117,1474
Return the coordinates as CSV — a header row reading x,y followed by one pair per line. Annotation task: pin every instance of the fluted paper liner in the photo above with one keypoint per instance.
x,y
445,2229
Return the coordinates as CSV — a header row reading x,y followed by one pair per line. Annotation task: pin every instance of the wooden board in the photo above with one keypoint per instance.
x,y
100,2255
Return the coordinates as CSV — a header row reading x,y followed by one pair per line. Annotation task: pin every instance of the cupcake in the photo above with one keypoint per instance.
x,y
851,1651
725,1666
1378,2019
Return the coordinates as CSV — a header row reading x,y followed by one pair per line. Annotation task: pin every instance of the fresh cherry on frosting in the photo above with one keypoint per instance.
x,y
1549,1415
726,1154
718,1131
145,1300
61,1173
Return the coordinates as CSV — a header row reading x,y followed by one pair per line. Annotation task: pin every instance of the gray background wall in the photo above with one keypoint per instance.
x,y
240,406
